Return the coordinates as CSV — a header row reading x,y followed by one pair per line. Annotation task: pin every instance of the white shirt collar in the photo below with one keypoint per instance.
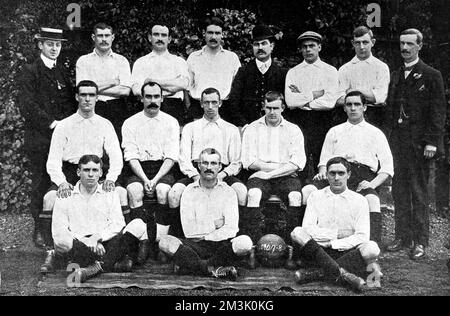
x,y
206,122
219,183
262,120
260,64
79,118
344,194
317,63
363,123
205,51
76,188
165,54
49,63
110,54
412,63
369,60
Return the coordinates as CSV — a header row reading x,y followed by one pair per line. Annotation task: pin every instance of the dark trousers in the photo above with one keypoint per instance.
x,y
175,108
410,188
116,248
40,180
442,185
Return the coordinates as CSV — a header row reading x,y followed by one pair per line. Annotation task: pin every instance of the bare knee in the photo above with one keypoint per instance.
x,y
137,228
306,192
169,244
295,198
162,191
369,251
123,195
374,203
49,200
174,195
242,245
300,236
135,193
241,192
254,196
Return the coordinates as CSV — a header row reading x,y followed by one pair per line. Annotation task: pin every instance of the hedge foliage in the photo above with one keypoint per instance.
x,y
20,20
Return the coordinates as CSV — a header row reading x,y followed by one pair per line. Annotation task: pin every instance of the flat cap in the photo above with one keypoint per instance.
x,y
310,35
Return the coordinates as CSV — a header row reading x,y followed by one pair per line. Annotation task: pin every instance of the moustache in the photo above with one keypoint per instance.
x,y
152,106
212,41
209,171
159,42
260,51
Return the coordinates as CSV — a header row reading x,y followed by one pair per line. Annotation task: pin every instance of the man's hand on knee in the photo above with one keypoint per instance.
x,y
108,186
64,190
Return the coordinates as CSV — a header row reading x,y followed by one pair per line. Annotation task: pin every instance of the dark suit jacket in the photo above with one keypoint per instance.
x,y
46,95
426,106
245,99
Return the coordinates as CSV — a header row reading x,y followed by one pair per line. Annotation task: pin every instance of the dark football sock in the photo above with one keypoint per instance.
x,y
375,227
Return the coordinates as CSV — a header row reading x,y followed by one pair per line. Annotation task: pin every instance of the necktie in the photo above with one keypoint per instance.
x,y
409,68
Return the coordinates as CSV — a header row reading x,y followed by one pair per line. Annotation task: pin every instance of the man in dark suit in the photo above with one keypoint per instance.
x,y
254,80
417,109
47,96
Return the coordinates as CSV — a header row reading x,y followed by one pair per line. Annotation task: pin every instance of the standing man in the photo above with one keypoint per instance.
x,y
209,216
273,151
212,66
111,72
211,131
151,147
417,117
334,235
311,93
47,96
255,79
89,228
169,71
367,150
367,74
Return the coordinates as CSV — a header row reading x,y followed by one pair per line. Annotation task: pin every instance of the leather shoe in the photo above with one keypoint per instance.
x,y
304,276
124,265
49,264
418,252
398,244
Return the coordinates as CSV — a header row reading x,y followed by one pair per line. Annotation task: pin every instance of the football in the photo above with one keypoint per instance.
x,y
271,251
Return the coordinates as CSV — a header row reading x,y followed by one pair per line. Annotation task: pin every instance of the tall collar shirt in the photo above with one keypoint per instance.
x,y
411,64
76,136
368,75
202,134
208,70
342,219
309,78
164,66
78,216
49,63
281,144
263,66
99,68
359,143
151,139
211,214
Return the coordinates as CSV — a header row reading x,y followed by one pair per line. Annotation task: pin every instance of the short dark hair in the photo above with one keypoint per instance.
x,y
273,96
339,160
210,91
361,31
88,158
213,21
356,93
102,26
209,151
86,83
150,84
414,32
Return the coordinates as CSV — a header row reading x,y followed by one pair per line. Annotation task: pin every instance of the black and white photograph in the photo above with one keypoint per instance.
x,y
225,155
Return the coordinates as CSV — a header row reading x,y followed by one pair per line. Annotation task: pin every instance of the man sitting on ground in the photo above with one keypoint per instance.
x,y
209,217
89,229
335,232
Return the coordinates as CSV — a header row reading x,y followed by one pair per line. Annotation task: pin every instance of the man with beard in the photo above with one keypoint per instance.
x,y
212,66
111,72
255,79
46,97
209,216
150,140
169,71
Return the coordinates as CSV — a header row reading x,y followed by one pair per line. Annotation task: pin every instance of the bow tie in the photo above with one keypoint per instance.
x,y
409,68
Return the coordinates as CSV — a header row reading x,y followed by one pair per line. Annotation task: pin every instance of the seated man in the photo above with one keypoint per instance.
x,y
211,131
150,140
335,232
209,216
84,132
273,149
367,149
89,228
